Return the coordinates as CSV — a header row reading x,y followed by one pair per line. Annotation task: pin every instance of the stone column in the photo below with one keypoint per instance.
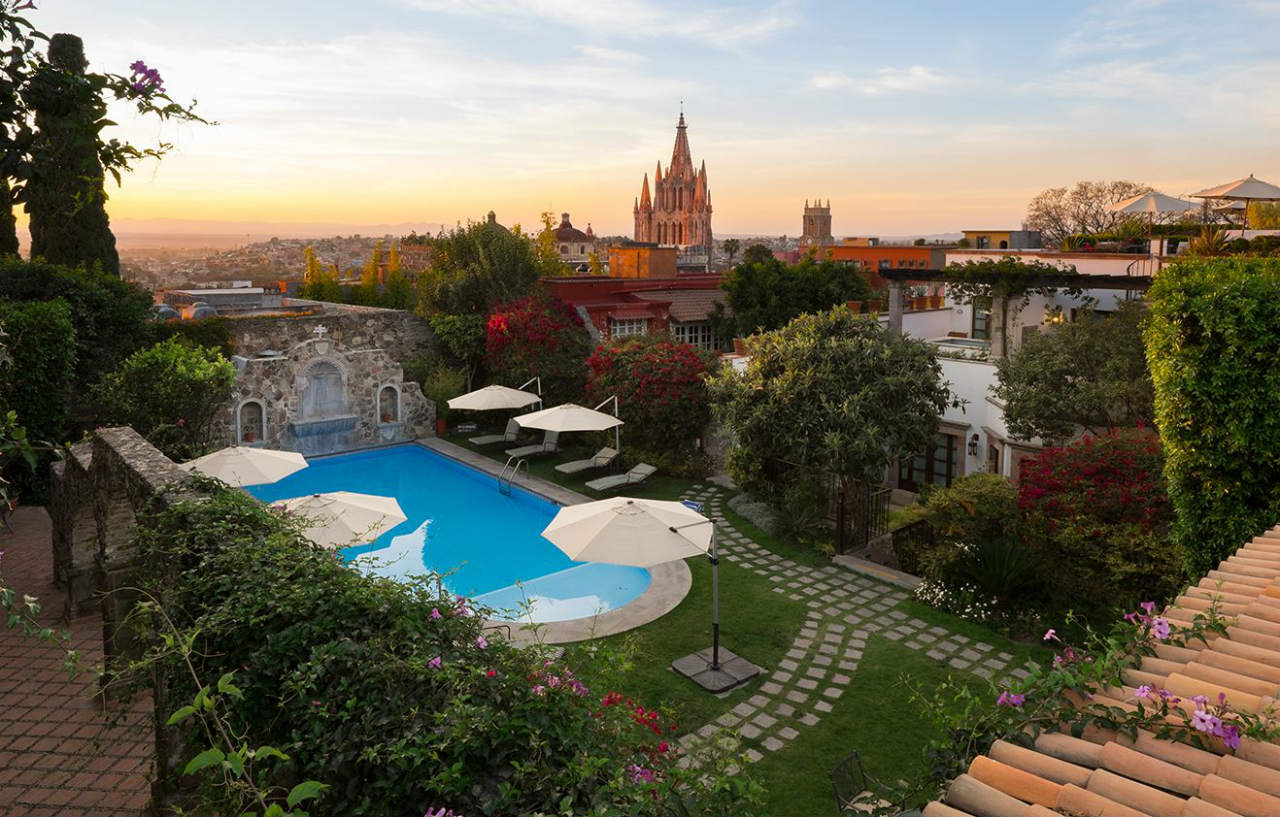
x,y
895,307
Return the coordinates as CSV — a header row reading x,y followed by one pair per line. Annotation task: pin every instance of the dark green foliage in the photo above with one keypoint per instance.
x,y
1002,568
37,383
1213,342
477,267
170,393
463,338
1091,373
212,333
765,293
8,222
112,318
391,693
974,510
1005,285
65,196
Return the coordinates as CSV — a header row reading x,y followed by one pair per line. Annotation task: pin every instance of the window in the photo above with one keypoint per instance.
x,y
581,249
627,327
982,242
388,404
885,263
933,466
981,324
1004,245
695,333
251,422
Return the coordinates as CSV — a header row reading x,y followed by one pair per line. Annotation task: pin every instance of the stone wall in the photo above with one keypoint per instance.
x,y
402,335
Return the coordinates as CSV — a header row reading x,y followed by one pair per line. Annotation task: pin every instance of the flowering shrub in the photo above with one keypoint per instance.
x,y
1072,692
394,695
540,336
1102,517
661,389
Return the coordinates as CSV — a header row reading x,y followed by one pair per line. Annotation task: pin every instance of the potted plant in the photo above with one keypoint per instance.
x,y
249,436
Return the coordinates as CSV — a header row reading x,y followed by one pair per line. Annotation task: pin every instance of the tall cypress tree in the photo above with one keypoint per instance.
x,y
65,196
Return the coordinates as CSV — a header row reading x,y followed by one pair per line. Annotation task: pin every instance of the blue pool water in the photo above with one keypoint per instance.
x,y
486,545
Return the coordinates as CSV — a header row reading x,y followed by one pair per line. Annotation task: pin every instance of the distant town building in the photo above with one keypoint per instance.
x,y
573,246
1003,239
679,212
816,227
642,260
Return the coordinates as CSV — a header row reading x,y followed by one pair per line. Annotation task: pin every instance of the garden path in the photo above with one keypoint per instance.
x,y
845,609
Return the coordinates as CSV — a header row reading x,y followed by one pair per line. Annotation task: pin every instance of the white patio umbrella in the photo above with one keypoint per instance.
x,y
243,465
1247,189
572,417
1152,204
491,398
643,533
343,518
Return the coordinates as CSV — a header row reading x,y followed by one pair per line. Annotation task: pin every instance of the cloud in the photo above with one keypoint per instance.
x,y
720,26
602,54
914,79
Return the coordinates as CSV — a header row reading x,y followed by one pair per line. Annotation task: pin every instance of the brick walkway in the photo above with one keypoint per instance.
x,y
58,753
845,608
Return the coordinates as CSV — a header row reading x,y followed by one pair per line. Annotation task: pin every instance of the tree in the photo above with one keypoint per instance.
x,y
831,393
37,383
1004,284
55,156
319,281
1264,215
764,293
661,390
731,247
1089,374
477,267
1212,345
539,335
398,293
594,267
1058,211
170,394
367,292
463,337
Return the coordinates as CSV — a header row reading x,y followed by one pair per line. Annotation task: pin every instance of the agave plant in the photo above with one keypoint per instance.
x,y
1211,241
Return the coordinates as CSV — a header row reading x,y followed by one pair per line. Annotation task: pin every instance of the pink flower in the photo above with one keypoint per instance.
x,y
1013,700
1148,606
1201,700
435,614
1230,736
1050,635
539,689
481,643
434,663
1143,691
1203,721
1160,628
491,673
639,774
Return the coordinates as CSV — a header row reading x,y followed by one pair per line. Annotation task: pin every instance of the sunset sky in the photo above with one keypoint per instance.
x,y
912,117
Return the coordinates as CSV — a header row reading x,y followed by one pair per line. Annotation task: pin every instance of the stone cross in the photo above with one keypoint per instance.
x,y
320,331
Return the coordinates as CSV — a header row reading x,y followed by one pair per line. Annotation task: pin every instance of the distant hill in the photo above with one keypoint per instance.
x,y
174,234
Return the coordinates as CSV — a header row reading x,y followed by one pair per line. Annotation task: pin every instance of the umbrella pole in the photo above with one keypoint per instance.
x,y
715,602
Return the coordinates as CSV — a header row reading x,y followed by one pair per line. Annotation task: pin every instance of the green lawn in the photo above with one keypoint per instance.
x,y
875,716
1021,649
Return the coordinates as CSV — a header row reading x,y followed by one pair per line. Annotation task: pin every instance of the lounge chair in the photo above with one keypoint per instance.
x,y
512,432
633,477
549,445
602,458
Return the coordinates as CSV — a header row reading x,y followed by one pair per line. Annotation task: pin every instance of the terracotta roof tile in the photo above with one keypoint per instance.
x,y
1105,772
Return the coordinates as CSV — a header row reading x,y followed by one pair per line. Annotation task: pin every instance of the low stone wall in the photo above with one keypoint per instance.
x,y
401,334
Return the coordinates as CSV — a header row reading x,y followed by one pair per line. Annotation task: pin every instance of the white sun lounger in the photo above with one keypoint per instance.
x,y
602,458
513,431
549,445
636,475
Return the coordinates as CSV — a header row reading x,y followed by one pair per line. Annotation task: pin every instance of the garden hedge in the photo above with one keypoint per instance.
x,y
1213,342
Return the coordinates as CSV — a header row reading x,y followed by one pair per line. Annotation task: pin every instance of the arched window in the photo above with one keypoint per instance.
x,y
250,422
389,404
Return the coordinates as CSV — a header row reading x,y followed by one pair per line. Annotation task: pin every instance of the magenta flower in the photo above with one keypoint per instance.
x,y
1148,606
434,663
1051,635
435,614
1013,700
1160,628
1203,721
539,689
1143,691
1201,700
639,774
481,643
1230,736
579,687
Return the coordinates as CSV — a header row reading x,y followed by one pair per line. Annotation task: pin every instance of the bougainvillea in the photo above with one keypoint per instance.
x,y
540,336
661,390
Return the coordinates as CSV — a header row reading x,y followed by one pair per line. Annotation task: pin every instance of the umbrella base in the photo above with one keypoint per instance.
x,y
734,670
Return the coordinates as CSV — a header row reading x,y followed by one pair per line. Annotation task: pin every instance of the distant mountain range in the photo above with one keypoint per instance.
x,y
173,233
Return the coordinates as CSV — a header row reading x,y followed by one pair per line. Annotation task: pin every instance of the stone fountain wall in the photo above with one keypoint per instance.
x,y
322,396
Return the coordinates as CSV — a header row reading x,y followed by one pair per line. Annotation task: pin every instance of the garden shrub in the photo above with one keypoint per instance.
x,y
661,390
392,693
539,335
1213,340
212,333
37,382
1102,516
170,394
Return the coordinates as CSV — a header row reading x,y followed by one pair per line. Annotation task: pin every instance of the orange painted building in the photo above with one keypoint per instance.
x,y
641,260
881,257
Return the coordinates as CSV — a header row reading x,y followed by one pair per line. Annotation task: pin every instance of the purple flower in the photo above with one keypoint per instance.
x,y
639,774
579,687
1051,635
1201,700
1203,721
1148,606
1143,691
481,643
1230,736
435,614
1013,700
1160,628
539,689
434,663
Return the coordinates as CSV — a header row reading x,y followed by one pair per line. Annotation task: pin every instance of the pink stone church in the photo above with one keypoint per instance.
x,y
679,213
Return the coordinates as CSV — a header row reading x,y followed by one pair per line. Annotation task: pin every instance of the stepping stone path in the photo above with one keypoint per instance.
x,y
845,608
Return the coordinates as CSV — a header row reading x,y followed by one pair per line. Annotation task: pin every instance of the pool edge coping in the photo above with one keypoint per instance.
x,y
669,582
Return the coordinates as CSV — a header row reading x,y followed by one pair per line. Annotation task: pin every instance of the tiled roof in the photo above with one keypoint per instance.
x,y
1108,773
687,304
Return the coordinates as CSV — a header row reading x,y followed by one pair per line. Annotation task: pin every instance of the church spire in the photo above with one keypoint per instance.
x,y
681,160
645,201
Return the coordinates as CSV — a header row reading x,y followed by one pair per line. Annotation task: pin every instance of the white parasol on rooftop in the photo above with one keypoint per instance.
x,y
1153,203
244,465
1245,190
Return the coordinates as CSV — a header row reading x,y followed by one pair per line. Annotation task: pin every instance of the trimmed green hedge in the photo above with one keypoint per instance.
x,y
1213,344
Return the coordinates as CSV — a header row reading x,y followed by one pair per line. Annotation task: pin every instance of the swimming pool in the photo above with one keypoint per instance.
x,y
486,545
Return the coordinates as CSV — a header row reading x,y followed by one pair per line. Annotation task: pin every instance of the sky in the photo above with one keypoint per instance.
x,y
911,117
